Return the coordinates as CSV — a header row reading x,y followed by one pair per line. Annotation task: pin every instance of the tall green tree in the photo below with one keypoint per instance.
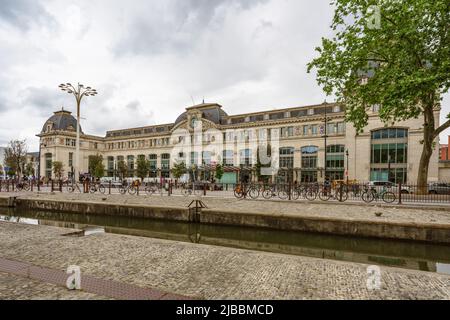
x,y
219,171
16,156
29,169
179,169
143,167
58,169
122,168
395,55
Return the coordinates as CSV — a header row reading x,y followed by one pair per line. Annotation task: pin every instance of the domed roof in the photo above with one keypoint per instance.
x,y
61,120
211,112
181,118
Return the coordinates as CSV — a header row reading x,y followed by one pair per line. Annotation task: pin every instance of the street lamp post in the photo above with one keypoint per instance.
x,y
326,136
347,154
79,92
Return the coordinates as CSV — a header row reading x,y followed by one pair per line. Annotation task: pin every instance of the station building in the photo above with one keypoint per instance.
x,y
306,134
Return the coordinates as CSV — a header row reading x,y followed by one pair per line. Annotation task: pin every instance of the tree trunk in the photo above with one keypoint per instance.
x,y
427,152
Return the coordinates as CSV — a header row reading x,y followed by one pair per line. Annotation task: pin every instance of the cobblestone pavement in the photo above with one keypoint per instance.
x,y
210,272
14,287
420,215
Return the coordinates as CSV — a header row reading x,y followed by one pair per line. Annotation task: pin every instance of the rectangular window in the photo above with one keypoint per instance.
x,y
305,130
70,159
314,130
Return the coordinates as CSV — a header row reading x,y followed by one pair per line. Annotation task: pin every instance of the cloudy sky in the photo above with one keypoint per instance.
x,y
150,59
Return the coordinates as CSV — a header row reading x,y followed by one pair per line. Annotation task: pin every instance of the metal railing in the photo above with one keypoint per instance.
x,y
326,192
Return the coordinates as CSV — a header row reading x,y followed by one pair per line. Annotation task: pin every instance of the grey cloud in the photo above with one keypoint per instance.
x,y
23,13
44,100
147,34
133,106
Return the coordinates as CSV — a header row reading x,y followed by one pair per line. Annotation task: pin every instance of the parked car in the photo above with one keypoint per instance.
x,y
379,185
439,188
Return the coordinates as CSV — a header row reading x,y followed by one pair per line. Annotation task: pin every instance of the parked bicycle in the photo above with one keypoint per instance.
x,y
241,191
74,186
22,186
371,194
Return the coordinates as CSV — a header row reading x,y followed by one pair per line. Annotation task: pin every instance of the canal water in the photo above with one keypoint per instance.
x,y
402,254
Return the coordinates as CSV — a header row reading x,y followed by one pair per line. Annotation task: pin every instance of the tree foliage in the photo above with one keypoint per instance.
x,y
179,169
219,171
58,169
143,167
401,51
16,156
122,168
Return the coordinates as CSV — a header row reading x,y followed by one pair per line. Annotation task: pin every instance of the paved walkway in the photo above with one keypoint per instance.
x,y
14,287
207,271
418,215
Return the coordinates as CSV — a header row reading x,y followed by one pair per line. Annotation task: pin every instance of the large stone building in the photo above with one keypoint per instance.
x,y
378,153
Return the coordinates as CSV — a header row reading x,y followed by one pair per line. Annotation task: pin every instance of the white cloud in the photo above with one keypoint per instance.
x,y
147,58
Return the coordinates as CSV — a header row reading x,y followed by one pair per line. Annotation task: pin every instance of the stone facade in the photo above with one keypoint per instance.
x,y
301,130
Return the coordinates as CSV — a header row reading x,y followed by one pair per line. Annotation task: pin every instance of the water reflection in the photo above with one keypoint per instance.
x,y
403,254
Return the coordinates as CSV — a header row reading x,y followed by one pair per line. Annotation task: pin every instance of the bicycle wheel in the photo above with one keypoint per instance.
x,y
149,190
101,189
70,189
93,189
311,194
122,190
238,192
26,187
341,196
282,194
389,197
324,195
267,194
253,193
295,194
132,190
367,196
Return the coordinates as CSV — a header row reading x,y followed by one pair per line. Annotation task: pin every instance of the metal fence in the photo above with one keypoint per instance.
x,y
338,192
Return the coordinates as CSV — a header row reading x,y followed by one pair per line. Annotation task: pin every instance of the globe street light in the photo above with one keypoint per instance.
x,y
79,92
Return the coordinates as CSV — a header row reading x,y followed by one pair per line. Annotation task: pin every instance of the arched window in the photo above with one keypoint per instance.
x,y
48,165
153,165
309,163
130,163
165,165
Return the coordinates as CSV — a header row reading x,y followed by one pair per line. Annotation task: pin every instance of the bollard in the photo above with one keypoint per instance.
x,y
109,191
204,189
60,185
400,193
39,185
31,185
340,192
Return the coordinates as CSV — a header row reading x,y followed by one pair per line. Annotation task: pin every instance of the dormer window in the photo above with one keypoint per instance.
x,y
310,112
287,114
337,109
